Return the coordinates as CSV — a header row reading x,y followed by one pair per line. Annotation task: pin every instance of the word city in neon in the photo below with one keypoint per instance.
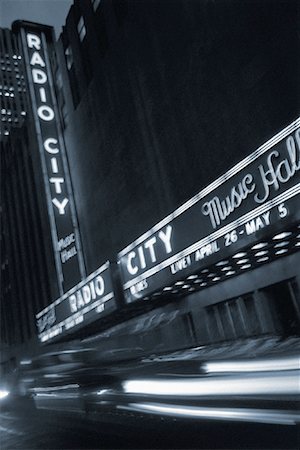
x,y
46,113
137,259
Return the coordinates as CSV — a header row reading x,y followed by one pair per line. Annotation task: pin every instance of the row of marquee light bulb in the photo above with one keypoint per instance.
x,y
281,244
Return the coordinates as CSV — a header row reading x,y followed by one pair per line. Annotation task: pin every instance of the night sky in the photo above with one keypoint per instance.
x,y
48,12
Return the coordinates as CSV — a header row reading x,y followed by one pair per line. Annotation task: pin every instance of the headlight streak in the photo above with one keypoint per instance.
x,y
3,394
289,363
265,383
57,394
56,388
103,391
231,414
25,362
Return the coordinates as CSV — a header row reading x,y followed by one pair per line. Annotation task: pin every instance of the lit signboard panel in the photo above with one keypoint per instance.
x,y
259,193
86,302
57,184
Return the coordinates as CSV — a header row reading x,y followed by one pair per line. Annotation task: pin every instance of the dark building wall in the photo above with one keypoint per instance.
x,y
30,284
167,96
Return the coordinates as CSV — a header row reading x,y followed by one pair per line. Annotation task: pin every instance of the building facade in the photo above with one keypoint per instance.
x,y
179,121
169,99
183,91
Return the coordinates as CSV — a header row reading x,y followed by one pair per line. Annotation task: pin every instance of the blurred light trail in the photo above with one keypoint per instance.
x,y
103,391
248,384
232,414
25,362
55,388
3,394
288,363
10,431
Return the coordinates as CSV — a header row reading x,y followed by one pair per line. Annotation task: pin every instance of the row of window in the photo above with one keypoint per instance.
x,y
7,94
8,76
8,63
10,112
11,94
8,88
81,29
4,119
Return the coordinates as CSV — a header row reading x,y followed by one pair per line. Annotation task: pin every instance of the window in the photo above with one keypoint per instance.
x,y
81,29
69,57
95,4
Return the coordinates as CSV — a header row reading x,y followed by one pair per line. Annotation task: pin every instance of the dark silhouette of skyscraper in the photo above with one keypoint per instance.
x,y
12,83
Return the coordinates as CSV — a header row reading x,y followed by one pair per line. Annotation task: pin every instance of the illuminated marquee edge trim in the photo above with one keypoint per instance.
x,y
74,289
215,184
292,192
85,310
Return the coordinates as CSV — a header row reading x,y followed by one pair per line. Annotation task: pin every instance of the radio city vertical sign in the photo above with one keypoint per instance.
x,y
243,205
61,209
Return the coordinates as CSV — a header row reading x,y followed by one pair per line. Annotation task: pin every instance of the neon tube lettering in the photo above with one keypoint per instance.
x,y
33,41
60,205
274,175
48,142
39,76
218,210
36,59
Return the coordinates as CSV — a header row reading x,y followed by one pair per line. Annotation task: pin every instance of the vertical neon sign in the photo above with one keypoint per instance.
x,y
61,209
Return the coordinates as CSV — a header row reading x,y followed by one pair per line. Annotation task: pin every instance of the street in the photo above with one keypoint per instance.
x,y
23,427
